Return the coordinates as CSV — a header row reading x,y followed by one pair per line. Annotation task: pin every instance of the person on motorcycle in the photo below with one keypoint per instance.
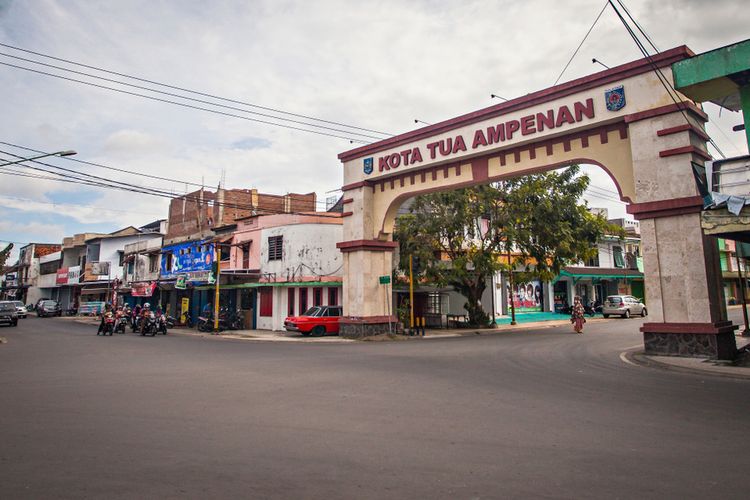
x,y
107,309
144,315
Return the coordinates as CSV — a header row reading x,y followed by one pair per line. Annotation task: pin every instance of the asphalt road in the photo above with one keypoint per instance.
x,y
534,414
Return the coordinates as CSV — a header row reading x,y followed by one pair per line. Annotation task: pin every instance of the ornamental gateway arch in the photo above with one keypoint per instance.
x,y
622,120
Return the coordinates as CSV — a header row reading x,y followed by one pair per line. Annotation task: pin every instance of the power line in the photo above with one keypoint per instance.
x,y
201,101
70,158
580,44
65,204
185,105
153,82
671,91
124,186
637,25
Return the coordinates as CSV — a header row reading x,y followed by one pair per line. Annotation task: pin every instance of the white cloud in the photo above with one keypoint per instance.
x,y
377,65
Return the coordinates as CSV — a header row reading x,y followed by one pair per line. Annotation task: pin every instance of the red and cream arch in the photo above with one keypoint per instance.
x,y
622,120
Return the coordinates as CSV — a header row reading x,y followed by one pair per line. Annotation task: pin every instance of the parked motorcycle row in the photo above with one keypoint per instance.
x,y
149,323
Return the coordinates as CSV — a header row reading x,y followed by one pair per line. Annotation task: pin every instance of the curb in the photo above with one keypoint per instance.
x,y
638,358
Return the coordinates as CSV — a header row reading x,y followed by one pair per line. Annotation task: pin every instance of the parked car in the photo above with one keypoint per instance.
x,y
48,308
623,305
318,321
8,314
39,303
20,308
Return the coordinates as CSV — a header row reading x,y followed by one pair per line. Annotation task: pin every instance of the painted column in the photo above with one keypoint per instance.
x,y
366,258
687,313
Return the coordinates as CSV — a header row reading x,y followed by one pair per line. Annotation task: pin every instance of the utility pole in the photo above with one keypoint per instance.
x,y
411,294
510,282
216,294
746,331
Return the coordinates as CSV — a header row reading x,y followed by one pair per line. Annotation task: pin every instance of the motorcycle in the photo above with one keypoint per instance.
x,y
235,320
108,325
206,323
120,322
148,325
161,323
171,321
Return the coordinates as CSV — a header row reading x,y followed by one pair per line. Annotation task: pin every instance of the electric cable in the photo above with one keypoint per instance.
x,y
580,44
185,105
174,87
201,101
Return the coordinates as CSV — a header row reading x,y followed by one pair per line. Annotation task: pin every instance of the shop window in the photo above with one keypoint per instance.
x,y
225,253
593,261
152,263
130,268
275,245
290,301
121,257
333,296
266,301
245,256
433,303
617,254
317,296
302,300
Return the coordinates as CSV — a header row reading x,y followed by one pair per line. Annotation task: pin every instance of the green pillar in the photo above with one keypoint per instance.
x,y
745,98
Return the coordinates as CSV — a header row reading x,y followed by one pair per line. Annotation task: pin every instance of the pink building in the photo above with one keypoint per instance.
x,y
274,266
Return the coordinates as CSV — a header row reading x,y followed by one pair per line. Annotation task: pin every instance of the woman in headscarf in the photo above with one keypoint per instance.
x,y
576,317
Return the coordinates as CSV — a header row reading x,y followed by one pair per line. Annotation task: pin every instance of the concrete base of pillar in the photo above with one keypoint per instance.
x,y
690,340
351,327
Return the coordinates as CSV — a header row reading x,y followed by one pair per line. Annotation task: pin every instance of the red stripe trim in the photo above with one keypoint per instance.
x,y
347,214
356,185
665,208
347,200
681,128
615,74
665,110
690,328
371,245
685,150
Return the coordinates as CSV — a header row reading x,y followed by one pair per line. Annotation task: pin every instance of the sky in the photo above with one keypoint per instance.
x,y
376,65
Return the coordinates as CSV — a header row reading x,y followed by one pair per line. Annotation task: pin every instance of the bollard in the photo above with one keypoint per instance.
x,y
423,325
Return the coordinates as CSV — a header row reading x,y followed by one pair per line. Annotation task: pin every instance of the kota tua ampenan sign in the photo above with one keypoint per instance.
x,y
501,132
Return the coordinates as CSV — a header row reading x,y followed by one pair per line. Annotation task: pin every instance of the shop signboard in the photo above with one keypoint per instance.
x,y
526,297
100,268
184,309
181,282
187,258
68,275
142,289
62,276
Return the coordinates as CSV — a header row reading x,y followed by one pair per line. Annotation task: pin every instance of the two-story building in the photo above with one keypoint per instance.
x,y
28,270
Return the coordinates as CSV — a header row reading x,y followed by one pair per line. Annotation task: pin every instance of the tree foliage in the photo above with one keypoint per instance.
x,y
4,254
457,237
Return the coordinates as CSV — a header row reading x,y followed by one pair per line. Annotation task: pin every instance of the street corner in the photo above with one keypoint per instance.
x,y
737,369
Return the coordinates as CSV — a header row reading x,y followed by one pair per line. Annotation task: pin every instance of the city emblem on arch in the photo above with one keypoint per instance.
x,y
368,165
615,98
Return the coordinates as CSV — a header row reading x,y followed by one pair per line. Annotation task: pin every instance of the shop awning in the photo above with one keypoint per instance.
x,y
94,291
600,273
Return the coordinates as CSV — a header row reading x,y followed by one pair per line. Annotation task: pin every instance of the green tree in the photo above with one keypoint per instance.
x,y
4,254
457,236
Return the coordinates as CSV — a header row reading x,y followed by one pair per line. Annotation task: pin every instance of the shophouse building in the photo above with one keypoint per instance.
x,y
189,248
274,266
27,270
141,266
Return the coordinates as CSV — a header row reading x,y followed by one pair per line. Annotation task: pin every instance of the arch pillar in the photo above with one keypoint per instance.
x,y
684,296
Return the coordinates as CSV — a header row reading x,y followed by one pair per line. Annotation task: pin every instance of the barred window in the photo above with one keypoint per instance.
x,y
275,244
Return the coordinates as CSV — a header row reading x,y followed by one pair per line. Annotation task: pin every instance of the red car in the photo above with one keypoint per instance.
x,y
318,321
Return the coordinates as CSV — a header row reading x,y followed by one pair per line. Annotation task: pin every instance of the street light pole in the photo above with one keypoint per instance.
x,y
69,152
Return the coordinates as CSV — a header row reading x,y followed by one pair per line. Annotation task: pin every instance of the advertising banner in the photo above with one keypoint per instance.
x,y
526,297
100,268
184,308
142,289
62,276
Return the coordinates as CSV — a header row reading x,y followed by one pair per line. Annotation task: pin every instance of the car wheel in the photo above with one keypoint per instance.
x,y
319,331
644,313
605,315
627,314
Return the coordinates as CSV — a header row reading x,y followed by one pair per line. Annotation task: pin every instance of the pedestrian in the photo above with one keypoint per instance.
x,y
577,316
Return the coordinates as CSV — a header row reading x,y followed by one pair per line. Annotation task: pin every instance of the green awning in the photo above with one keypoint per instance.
x,y
617,275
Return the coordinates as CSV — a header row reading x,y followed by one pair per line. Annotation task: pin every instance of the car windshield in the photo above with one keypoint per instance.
x,y
7,306
614,299
18,303
49,303
313,311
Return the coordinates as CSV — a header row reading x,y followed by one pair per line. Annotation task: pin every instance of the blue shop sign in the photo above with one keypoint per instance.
x,y
189,257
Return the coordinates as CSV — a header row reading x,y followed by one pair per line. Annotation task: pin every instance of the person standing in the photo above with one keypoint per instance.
x,y
577,315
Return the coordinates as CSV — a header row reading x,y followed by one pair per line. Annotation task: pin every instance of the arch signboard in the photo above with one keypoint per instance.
x,y
623,120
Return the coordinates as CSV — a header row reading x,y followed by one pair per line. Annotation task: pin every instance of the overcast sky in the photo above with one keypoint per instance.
x,y
377,65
